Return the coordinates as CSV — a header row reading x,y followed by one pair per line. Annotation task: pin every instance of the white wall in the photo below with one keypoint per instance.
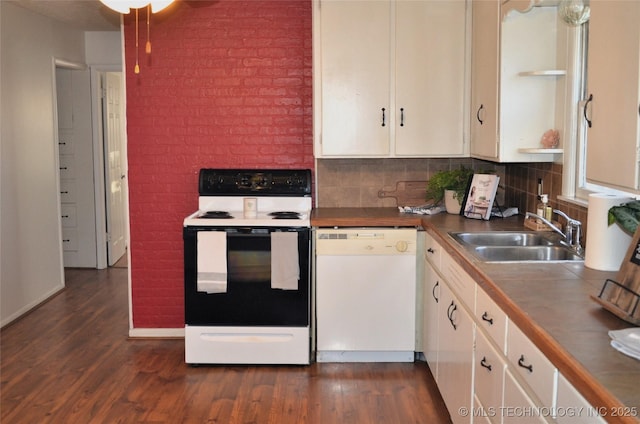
x,y
31,260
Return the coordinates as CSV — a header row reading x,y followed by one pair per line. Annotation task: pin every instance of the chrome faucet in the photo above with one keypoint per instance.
x,y
571,232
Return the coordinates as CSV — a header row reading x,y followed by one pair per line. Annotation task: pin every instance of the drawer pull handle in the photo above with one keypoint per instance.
x,y
383,118
485,317
483,363
521,363
452,308
430,250
433,291
402,117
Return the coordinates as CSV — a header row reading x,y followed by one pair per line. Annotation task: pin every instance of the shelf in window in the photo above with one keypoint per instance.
x,y
538,150
543,73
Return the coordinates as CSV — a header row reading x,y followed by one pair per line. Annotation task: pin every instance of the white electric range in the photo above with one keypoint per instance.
x,y
247,268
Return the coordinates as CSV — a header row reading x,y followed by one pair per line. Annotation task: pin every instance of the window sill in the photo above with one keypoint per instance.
x,y
575,201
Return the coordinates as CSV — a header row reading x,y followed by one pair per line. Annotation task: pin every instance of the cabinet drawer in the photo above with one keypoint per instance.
x,y
518,406
491,319
432,250
461,283
489,377
531,365
68,215
69,240
572,407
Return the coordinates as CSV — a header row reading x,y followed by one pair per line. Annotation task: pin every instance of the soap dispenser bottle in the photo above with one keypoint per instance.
x,y
542,207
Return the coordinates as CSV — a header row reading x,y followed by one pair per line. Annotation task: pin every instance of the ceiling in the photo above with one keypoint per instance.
x,y
86,15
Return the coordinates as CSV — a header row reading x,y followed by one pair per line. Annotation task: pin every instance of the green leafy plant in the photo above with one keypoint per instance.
x,y
627,215
454,179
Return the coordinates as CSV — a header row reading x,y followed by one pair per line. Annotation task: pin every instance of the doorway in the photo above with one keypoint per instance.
x,y
92,162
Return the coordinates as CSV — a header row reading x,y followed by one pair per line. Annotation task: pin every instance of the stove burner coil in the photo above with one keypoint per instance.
x,y
216,215
284,215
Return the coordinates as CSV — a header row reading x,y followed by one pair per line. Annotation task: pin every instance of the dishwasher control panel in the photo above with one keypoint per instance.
x,y
366,241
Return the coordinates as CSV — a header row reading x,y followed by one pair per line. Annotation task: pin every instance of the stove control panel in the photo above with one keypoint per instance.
x,y
241,182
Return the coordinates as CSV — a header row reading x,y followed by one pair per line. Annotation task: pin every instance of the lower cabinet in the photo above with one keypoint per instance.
x,y
455,355
486,368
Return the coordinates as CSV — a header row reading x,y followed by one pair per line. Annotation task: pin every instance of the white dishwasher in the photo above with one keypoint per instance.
x,y
365,294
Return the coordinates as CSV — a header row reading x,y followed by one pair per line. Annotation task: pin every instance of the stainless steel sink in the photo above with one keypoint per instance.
x,y
504,238
525,254
516,246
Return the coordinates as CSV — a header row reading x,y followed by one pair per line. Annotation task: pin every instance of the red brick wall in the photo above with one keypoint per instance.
x,y
227,84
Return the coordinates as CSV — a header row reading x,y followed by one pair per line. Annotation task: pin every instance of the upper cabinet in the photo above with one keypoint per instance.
x,y
390,78
612,111
519,58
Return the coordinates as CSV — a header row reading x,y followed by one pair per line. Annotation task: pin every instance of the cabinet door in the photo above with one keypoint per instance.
x,y
455,355
431,302
355,77
613,80
430,78
484,84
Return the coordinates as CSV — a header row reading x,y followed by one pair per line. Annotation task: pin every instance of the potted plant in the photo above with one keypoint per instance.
x,y
452,185
627,215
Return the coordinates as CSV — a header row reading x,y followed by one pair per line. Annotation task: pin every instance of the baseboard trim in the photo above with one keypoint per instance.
x,y
158,333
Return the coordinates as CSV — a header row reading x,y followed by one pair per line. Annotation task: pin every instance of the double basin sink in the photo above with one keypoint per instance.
x,y
516,246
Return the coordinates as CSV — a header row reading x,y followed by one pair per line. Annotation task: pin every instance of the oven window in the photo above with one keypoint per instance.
x,y
246,266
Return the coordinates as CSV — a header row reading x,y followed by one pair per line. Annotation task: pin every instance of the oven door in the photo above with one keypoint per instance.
x,y
249,299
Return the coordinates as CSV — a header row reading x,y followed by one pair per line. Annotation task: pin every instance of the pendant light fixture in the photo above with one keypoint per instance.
x,y
125,6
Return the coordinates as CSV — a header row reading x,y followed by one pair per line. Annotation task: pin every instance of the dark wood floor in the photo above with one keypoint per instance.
x,y
70,361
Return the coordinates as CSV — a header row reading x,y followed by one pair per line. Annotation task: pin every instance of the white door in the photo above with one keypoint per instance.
x,y
75,150
114,167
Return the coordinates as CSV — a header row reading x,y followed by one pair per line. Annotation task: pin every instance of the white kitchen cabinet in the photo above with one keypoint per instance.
x,y
455,354
613,82
518,407
389,78
491,319
484,83
431,305
532,367
488,380
573,408
518,80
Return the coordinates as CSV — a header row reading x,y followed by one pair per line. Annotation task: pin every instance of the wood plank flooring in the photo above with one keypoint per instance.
x,y
71,361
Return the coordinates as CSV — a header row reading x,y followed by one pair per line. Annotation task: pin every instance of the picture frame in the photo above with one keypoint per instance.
x,y
480,196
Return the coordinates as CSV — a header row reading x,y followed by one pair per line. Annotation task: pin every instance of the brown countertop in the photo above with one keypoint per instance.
x,y
549,302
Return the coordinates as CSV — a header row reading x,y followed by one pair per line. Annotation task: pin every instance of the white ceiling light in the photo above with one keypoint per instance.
x,y
125,6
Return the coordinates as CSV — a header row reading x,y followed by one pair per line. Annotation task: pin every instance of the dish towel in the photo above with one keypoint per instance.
x,y
285,269
627,341
212,262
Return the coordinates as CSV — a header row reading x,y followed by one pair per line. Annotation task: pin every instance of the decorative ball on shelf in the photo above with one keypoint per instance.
x,y
550,139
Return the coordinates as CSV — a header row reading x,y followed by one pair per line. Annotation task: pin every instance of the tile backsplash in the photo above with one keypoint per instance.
x,y
357,182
